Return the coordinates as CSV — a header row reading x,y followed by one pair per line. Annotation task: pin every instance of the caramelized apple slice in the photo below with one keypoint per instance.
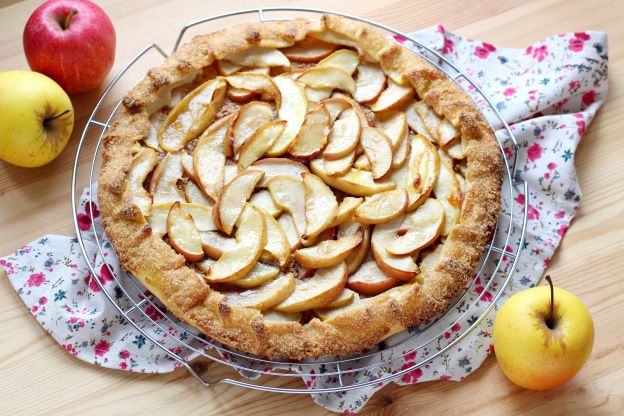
x,y
394,125
316,291
273,167
315,95
256,83
194,195
277,242
309,50
289,194
393,97
354,182
382,207
312,137
183,235
287,224
321,206
338,167
329,252
370,82
292,109
250,117
209,157
378,149
259,274
262,199
423,227
416,123
326,312
226,68
362,163
345,298
399,267
202,217
163,185
235,263
357,256
232,200
448,192
259,57
344,59
344,136
259,142
239,95
192,115
331,77
214,244
142,164
263,297
429,118
187,165
346,209
335,106
155,121
369,280
364,121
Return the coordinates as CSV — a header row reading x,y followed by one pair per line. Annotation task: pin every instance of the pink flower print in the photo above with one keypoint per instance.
x,y
43,300
123,365
93,212
560,214
84,222
105,274
576,44
562,230
101,348
36,280
582,36
399,39
410,356
540,53
153,313
551,165
440,29
445,377
124,354
580,127
574,85
448,46
534,152
456,327
589,98
74,324
484,50
509,92
533,213
412,376
520,200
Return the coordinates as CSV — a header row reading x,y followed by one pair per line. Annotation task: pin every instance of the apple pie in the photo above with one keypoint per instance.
x,y
300,188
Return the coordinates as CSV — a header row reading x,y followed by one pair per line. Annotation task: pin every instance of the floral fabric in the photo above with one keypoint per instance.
x,y
548,93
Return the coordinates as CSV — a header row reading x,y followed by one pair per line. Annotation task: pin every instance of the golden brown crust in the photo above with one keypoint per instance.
x,y
184,291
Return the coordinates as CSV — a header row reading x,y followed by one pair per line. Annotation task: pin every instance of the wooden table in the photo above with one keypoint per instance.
x,y
38,377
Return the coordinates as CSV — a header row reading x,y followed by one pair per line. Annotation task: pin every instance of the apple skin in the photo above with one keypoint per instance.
x,y
36,118
531,354
78,57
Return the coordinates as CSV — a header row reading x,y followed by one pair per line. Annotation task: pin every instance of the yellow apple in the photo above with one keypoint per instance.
x,y
36,118
537,347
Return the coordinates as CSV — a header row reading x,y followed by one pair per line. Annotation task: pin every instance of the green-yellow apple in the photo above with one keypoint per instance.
x,y
542,337
36,118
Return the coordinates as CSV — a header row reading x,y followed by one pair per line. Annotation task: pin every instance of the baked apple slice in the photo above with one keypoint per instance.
x,y
183,235
259,274
338,167
382,207
163,185
192,115
235,263
369,280
456,150
335,106
399,267
259,142
201,214
232,200
428,260
394,125
225,67
289,194
239,95
330,77
328,253
448,192
292,109
195,195
317,291
312,137
344,59
344,136
378,149
346,209
364,121
416,123
262,199
250,117
255,83
142,164
346,297
287,224
277,242
309,50
357,256
259,57
446,133
370,82
275,316
209,157
430,119
362,163
423,227
393,97
316,95
321,206
402,152
355,182
265,296
215,244
273,167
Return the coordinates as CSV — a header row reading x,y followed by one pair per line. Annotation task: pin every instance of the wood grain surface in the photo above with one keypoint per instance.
x,y
38,377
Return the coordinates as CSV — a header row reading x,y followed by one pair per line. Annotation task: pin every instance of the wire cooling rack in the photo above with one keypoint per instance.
x,y
426,342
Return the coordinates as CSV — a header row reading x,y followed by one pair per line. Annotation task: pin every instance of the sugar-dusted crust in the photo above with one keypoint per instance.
x,y
184,291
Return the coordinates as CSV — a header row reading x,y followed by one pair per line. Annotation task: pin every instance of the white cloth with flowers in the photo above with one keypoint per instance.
x,y
548,92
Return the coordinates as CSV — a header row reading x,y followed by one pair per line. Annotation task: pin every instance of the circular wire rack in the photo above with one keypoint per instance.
x,y
185,343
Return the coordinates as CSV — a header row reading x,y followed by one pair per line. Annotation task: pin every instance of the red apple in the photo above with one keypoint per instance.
x,y
72,42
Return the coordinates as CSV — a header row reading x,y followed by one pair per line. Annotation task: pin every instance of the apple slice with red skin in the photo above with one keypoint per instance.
x,y
370,82
312,137
225,67
448,192
232,200
382,207
262,199
195,195
316,291
316,95
339,167
183,235
255,83
263,297
345,298
250,117
215,244
394,125
259,274
309,50
347,207
273,167
393,97
416,123
399,267
344,59
321,206
277,241
369,280
259,142
142,164
235,263
430,119
344,136
357,256
240,96
423,227
163,185
259,57
287,224
293,109
329,252
330,77
335,106
354,182
364,121
378,149
201,214
402,152
289,194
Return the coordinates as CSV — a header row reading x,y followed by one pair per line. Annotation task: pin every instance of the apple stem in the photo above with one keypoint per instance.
x,y
550,321
47,120
69,18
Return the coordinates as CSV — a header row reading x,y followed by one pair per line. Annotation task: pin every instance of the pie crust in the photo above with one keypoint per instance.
x,y
183,288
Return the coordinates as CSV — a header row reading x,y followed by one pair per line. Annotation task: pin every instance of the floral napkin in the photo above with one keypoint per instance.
x,y
548,93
